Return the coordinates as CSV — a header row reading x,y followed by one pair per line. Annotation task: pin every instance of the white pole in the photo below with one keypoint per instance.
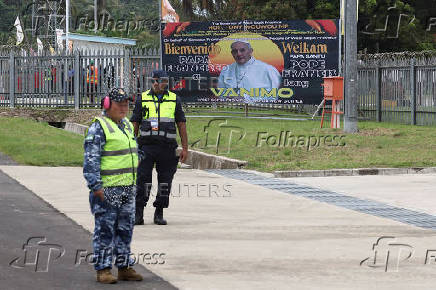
x,y
340,48
67,23
160,34
67,48
95,17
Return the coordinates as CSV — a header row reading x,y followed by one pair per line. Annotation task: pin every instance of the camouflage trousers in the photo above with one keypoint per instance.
x,y
112,233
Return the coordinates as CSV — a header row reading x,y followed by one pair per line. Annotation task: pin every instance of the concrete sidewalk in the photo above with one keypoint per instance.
x,y
412,191
226,233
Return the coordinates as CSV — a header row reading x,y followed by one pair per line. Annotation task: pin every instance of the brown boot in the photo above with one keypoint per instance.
x,y
128,274
105,276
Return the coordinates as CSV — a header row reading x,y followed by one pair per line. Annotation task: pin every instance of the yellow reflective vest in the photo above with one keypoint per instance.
x,y
158,117
119,158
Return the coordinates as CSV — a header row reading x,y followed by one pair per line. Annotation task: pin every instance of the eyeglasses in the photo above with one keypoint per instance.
x,y
159,81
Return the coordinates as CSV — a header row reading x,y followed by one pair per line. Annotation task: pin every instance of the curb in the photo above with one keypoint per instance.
x,y
201,160
195,160
75,128
354,172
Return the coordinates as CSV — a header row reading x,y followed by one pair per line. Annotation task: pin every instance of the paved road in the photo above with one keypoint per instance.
x,y
249,231
23,215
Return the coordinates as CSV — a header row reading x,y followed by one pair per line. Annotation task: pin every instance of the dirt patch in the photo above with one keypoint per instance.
x,y
6,160
379,132
83,117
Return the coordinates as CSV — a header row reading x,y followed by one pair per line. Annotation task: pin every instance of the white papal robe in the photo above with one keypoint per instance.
x,y
252,74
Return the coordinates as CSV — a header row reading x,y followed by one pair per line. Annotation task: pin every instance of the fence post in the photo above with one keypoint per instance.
x,y
413,92
126,81
66,79
76,80
378,92
12,80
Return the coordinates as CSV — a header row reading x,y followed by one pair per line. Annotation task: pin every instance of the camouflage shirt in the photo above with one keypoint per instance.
x,y
93,145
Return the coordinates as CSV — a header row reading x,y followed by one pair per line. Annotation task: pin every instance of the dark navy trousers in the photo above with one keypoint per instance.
x,y
165,159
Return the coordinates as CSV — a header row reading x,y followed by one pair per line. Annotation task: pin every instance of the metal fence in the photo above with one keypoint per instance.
x,y
31,80
77,80
398,87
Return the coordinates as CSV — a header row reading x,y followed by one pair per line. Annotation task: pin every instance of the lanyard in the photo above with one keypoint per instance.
x,y
154,122
156,105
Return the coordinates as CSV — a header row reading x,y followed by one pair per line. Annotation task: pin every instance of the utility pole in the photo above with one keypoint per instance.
x,y
350,120
95,17
67,24
160,35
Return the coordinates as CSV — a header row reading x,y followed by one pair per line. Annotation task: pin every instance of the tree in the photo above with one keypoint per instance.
x,y
8,13
388,26
373,33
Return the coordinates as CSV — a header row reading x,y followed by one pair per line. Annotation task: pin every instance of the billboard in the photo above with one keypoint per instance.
x,y
249,61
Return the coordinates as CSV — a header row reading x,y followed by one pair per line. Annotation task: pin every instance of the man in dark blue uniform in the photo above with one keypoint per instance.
x,y
155,116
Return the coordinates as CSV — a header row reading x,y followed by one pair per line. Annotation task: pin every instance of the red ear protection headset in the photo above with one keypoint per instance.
x,y
107,103
116,94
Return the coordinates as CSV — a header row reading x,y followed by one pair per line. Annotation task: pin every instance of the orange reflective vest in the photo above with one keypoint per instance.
x,y
92,75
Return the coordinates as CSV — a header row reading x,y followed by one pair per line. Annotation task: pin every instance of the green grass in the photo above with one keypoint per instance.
x,y
376,145
32,143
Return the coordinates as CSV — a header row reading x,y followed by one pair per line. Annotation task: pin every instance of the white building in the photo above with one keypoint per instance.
x,y
94,43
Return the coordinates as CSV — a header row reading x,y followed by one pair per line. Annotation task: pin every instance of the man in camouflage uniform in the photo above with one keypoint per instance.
x,y
109,167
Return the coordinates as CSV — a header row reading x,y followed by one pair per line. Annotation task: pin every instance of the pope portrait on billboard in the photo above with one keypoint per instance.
x,y
258,78
248,72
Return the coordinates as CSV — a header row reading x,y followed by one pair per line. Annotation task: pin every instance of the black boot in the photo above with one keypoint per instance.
x,y
139,216
139,221
158,216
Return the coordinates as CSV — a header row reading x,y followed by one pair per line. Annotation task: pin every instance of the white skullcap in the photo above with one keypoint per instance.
x,y
241,40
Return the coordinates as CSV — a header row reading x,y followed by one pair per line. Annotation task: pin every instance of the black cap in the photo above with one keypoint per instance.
x,y
118,95
159,74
